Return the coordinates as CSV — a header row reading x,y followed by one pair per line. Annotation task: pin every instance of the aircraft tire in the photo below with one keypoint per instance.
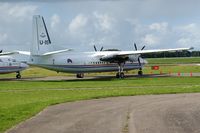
x,y
120,75
140,73
80,75
18,76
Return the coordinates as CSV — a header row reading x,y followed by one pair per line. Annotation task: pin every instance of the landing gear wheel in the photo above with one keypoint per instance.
x,y
18,76
120,75
117,75
140,73
80,75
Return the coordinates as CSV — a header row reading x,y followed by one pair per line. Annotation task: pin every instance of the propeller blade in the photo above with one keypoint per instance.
x,y
143,47
101,49
139,61
95,49
135,46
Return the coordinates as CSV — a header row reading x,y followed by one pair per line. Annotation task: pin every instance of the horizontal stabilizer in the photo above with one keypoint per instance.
x,y
56,52
24,52
9,53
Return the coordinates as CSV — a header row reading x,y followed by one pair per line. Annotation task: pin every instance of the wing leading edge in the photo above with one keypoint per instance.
x,y
121,56
121,53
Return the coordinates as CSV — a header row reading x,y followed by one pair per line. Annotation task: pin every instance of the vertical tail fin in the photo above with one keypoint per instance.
x,y
41,42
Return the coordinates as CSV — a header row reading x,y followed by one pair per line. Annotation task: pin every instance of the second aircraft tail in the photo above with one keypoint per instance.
x,y
41,42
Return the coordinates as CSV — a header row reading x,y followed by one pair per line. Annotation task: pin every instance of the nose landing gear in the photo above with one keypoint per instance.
x,y
120,73
80,75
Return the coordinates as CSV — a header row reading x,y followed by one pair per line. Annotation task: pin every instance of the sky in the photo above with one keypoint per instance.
x,y
80,24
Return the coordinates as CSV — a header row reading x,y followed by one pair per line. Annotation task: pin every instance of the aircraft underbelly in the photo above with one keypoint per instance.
x,y
88,68
9,69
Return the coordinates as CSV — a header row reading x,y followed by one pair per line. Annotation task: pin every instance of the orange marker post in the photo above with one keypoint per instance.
x,y
179,74
191,74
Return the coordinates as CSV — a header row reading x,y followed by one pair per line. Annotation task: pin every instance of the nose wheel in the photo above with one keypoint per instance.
x,y
80,75
18,76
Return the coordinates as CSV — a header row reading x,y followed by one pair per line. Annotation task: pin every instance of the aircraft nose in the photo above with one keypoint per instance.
x,y
24,65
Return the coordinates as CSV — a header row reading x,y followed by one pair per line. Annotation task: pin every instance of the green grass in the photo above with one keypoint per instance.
x,y
173,69
181,60
20,100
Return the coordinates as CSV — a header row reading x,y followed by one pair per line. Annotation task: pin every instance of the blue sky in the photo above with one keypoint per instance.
x,y
79,24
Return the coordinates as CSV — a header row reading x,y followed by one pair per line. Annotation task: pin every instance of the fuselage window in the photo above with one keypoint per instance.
x,y
14,60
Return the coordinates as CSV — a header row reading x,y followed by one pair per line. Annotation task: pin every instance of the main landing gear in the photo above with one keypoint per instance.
x,y
120,73
18,76
140,72
80,75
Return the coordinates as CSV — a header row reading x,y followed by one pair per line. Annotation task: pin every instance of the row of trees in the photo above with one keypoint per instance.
x,y
173,54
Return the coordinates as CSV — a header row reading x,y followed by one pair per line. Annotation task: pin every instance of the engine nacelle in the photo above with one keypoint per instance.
x,y
114,58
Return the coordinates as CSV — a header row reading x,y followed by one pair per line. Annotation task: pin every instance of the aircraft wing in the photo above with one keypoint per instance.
x,y
151,51
123,55
15,52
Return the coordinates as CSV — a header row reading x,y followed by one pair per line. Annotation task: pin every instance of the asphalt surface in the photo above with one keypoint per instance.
x,y
176,113
67,78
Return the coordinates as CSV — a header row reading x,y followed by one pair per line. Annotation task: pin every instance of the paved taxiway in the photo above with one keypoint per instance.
x,y
58,78
176,113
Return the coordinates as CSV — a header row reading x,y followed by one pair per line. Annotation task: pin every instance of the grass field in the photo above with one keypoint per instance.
x,y
19,100
22,99
186,60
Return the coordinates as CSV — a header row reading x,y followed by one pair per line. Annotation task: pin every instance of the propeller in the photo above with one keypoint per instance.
x,y
101,48
140,54
95,49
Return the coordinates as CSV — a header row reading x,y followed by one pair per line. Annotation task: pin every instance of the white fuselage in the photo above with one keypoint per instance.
x,y
82,62
10,65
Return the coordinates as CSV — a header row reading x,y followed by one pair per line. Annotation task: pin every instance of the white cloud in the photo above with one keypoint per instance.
x,y
79,22
18,12
55,20
188,35
159,27
184,42
151,39
104,22
3,37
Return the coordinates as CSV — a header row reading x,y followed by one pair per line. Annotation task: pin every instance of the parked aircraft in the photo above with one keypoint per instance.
x,y
8,64
70,61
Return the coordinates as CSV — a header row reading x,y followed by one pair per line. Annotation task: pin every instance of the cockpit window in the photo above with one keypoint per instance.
x,y
13,60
